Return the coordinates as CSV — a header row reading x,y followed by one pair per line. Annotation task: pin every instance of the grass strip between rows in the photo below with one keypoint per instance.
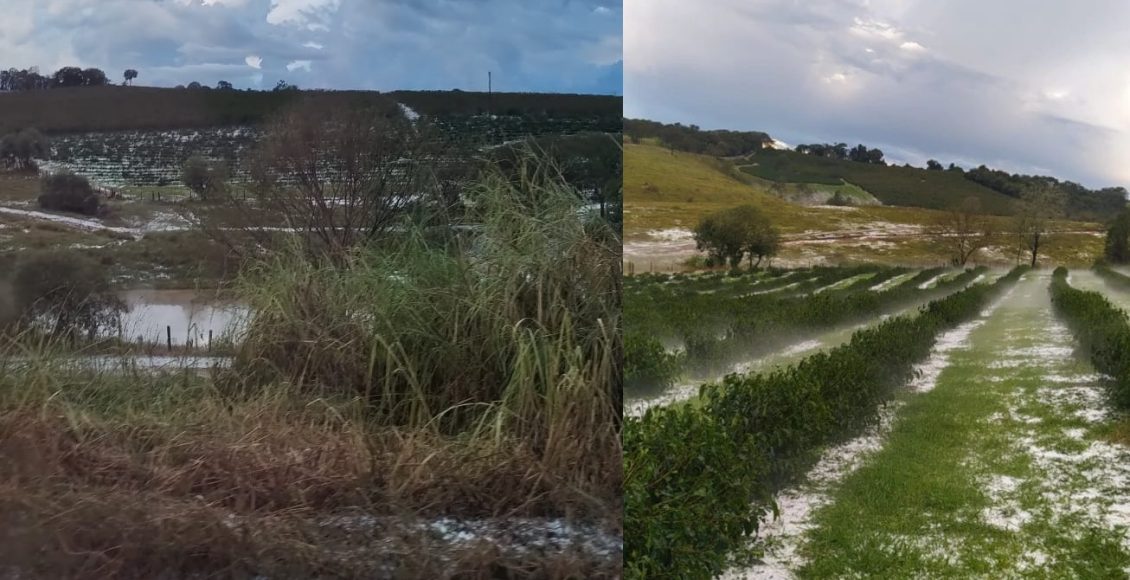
x,y
700,478
1101,328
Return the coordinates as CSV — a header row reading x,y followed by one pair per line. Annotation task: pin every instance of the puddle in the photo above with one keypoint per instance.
x,y
188,316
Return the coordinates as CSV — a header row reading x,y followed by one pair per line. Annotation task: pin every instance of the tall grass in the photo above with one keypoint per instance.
x,y
472,374
506,328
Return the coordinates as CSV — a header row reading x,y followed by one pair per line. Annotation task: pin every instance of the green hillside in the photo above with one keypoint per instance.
x,y
667,189
892,185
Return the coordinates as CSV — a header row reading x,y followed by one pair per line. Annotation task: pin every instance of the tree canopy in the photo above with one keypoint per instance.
x,y
1117,247
691,139
731,234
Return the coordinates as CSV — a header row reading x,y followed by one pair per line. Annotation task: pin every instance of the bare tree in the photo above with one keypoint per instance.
x,y
1040,204
963,230
338,177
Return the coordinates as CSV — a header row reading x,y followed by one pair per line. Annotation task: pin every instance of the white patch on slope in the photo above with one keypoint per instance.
x,y
409,113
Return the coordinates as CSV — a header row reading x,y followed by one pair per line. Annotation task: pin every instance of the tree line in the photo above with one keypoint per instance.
x,y
860,153
1080,201
29,79
692,139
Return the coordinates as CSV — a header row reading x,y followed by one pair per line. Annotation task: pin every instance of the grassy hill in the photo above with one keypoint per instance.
x,y
892,185
665,190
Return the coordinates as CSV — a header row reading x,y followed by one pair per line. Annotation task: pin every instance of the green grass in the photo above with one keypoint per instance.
x,y
917,508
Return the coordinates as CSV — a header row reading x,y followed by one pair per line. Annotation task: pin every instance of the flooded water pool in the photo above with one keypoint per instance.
x,y
187,316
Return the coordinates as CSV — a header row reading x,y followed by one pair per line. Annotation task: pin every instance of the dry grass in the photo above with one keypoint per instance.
x,y
111,484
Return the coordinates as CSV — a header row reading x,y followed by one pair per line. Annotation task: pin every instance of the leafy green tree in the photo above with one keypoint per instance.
x,y
1117,247
203,177
94,77
933,165
65,293
68,76
129,75
730,234
21,149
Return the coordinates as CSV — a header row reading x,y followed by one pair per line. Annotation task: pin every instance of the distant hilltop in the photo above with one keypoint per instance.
x,y
120,108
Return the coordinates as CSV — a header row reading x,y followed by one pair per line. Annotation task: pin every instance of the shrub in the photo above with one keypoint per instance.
x,y
21,149
205,178
65,191
64,294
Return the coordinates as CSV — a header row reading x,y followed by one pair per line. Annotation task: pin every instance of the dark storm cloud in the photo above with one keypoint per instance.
x,y
1018,85
545,45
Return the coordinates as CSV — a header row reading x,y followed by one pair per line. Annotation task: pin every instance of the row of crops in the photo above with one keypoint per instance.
x,y
695,325
700,478
1101,329
154,158
149,157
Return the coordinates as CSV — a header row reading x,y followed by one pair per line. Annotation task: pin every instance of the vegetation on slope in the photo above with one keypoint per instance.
x,y
905,186
691,139
118,108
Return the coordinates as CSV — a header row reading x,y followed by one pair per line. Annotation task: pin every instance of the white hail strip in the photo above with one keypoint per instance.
x,y
840,284
932,281
83,224
892,282
927,373
797,505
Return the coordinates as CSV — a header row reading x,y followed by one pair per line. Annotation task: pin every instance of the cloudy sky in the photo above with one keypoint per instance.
x,y
530,45
1034,87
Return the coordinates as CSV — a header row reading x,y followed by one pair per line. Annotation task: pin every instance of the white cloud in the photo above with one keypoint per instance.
x,y
602,10
314,45
254,61
298,64
301,12
958,80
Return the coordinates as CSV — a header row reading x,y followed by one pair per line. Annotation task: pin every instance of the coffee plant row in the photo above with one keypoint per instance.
x,y
700,478
1102,330
714,331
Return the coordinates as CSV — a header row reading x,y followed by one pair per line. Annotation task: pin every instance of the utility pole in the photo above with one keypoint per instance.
x,y
490,101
